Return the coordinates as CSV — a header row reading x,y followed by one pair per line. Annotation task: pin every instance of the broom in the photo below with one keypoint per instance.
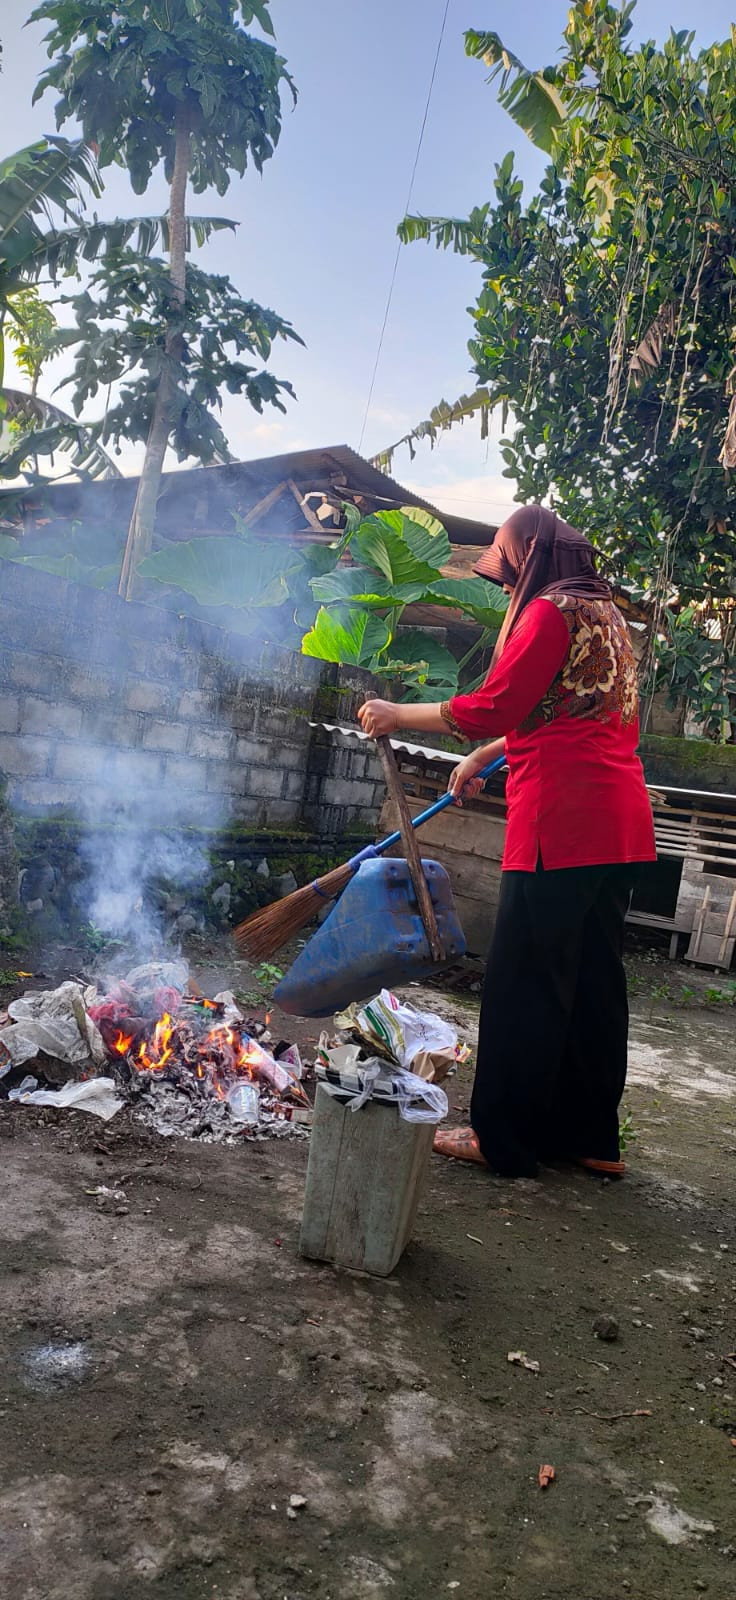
x,y
266,930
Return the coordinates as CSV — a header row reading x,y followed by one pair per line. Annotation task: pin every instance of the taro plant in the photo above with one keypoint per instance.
x,y
396,559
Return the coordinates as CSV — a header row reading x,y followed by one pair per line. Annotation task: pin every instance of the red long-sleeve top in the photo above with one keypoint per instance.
x,y
564,694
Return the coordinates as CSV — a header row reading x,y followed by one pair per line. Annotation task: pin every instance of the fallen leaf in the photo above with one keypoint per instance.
x,y
547,1476
519,1358
730,1359
474,1238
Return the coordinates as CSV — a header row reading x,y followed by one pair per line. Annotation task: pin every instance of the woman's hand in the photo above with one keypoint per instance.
x,y
464,783
378,717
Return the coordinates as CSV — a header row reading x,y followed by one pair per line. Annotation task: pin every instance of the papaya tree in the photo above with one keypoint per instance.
x,y
183,85
47,237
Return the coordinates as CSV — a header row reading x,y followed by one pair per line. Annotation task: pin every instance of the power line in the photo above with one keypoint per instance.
x,y
398,247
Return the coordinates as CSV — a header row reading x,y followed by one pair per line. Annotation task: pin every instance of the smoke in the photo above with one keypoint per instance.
x,y
137,881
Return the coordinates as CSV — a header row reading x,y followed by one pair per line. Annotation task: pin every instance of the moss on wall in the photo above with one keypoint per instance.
x,y
689,763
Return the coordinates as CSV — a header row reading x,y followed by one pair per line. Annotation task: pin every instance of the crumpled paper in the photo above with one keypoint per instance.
x,y
53,1020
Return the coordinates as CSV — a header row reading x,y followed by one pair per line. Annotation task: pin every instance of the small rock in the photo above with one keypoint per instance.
x,y
606,1328
291,1513
263,870
285,884
222,897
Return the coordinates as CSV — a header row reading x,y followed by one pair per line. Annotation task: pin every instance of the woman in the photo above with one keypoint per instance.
x,y
561,695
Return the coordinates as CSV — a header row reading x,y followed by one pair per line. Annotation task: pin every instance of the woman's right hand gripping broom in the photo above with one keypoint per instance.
x,y
464,783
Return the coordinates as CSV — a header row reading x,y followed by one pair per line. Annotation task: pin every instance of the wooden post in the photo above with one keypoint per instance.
x,y
727,932
409,838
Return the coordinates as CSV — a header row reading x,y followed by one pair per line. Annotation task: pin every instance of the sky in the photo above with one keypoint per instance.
x,y
317,231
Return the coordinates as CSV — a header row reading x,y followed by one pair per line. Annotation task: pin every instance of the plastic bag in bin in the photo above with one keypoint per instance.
x,y
419,1041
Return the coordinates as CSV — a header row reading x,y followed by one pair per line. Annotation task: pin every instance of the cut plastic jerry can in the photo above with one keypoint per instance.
x,y
373,939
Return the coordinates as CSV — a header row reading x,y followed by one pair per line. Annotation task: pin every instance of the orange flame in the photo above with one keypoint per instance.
x,y
123,1043
217,1057
161,1046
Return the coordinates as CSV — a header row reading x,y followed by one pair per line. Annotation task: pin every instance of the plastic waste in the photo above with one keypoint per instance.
x,y
96,1095
55,1021
355,1082
245,1102
402,1031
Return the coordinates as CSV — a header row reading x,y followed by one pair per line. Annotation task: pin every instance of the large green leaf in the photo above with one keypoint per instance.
x,y
432,525
529,97
348,584
228,571
352,637
51,429
402,550
62,566
365,587
422,659
482,601
69,566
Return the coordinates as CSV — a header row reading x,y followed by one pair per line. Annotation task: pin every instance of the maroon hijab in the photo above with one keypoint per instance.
x,y
535,553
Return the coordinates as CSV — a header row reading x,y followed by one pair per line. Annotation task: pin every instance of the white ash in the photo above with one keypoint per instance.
x,y
173,1110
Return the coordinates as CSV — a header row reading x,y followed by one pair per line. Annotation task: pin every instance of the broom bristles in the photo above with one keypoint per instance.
x,y
266,930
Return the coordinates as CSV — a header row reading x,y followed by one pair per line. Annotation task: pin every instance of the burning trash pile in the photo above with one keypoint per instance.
x,y
189,1066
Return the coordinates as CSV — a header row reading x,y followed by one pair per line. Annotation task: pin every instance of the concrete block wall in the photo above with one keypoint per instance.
x,y
344,786
114,708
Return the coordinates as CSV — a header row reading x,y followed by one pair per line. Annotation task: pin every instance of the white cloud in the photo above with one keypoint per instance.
x,y
485,499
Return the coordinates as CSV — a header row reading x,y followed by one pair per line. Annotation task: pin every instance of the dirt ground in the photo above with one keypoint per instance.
x,y
174,1372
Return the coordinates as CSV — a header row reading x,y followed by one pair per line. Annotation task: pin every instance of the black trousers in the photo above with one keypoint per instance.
x,y
553,1036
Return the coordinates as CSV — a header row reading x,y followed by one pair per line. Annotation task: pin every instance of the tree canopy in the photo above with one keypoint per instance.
x,y
605,325
182,84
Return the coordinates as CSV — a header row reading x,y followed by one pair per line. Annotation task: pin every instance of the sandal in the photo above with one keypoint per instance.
x,y
602,1169
460,1143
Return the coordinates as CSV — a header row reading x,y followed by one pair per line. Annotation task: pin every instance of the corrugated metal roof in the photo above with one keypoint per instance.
x,y
449,759
396,744
255,477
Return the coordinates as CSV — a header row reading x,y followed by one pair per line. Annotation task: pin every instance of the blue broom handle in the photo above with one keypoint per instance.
x,y
373,850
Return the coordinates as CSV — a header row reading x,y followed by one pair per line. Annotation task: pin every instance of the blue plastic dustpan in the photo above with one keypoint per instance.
x,y
373,939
